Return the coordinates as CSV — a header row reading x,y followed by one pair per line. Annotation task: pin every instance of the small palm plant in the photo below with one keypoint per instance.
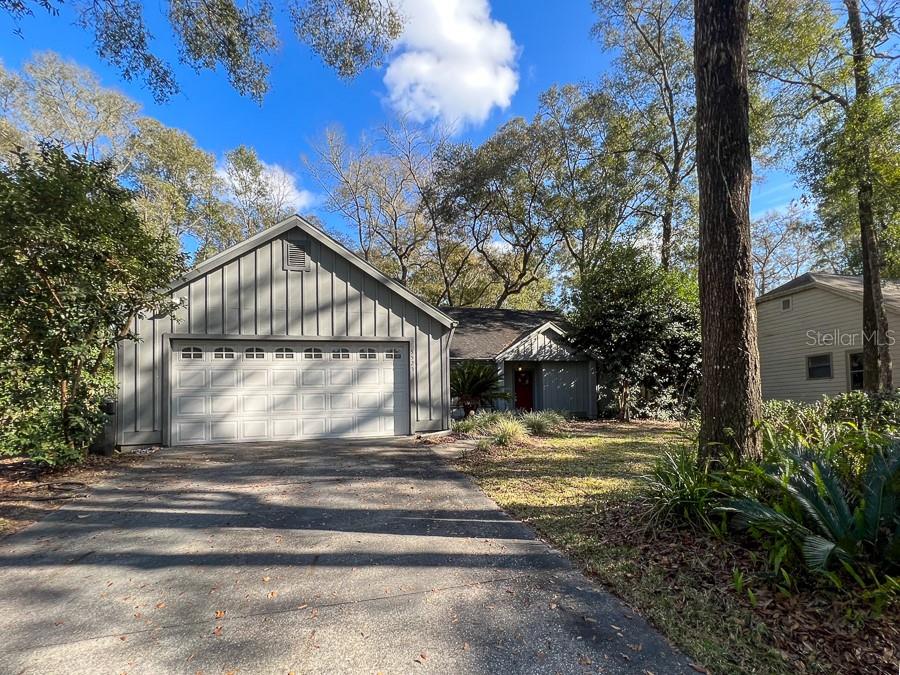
x,y
832,526
476,383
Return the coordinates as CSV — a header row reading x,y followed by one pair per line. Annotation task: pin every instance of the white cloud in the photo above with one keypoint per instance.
x,y
283,186
454,63
284,183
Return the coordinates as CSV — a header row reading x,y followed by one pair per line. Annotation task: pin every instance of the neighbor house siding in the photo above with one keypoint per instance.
x,y
785,343
253,295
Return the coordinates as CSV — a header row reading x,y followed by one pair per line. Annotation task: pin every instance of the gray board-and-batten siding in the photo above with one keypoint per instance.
x,y
251,296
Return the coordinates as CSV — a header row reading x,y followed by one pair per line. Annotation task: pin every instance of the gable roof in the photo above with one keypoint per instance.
x,y
486,333
847,286
298,222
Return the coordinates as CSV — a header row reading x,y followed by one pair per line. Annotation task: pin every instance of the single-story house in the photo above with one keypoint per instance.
x,y
287,335
811,336
541,369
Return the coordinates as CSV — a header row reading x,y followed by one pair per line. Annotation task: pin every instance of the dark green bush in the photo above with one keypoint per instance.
x,y
846,431
831,527
823,502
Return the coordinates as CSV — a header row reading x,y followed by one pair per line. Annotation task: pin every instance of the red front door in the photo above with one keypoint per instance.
x,y
524,390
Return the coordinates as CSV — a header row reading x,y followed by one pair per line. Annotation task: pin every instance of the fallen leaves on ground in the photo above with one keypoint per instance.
x,y
581,490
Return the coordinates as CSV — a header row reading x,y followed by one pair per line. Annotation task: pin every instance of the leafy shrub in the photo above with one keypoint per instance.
x,y
878,412
825,523
77,265
475,384
847,431
507,430
542,422
31,420
680,490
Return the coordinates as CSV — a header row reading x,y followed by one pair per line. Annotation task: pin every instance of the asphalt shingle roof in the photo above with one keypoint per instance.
x,y
842,284
484,333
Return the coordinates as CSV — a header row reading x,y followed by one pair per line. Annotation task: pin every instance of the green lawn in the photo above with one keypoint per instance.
x,y
579,491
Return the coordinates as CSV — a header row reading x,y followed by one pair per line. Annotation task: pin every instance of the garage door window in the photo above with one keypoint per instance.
x,y
192,353
254,353
392,354
367,353
223,353
342,353
312,353
284,353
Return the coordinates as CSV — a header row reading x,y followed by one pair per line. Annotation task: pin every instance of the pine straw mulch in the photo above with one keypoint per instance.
x,y
29,491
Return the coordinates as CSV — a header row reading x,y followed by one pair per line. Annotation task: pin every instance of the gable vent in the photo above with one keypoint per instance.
x,y
295,256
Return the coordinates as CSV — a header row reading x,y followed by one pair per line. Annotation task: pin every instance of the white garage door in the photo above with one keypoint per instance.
x,y
237,391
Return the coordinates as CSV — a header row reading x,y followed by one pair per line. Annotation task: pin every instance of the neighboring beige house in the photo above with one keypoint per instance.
x,y
811,337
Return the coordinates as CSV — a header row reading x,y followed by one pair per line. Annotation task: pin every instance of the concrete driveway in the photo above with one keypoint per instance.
x,y
316,557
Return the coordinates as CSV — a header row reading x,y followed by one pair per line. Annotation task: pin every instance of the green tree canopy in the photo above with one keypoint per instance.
x,y
642,325
76,266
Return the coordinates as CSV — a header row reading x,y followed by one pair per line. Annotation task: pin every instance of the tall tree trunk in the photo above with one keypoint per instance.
x,y
877,365
731,396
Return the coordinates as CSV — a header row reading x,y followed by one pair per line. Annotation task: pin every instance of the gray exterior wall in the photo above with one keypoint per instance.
x,y
567,385
784,342
563,379
252,296
543,346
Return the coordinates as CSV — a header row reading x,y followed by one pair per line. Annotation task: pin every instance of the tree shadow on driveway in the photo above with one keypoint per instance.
x,y
319,557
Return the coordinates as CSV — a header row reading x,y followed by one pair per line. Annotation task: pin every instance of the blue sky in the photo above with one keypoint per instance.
x,y
512,51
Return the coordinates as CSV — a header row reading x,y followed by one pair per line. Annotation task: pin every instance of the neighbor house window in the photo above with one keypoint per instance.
x,y
367,353
284,353
785,304
342,353
223,353
855,368
818,367
254,353
312,353
192,353
392,354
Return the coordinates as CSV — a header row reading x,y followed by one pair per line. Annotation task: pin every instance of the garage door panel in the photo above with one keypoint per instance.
x,y
363,392
284,378
224,432
282,403
341,401
190,432
254,430
254,377
368,400
314,426
190,379
367,377
369,425
190,405
340,376
313,402
255,403
313,377
342,426
223,404
223,378
286,428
